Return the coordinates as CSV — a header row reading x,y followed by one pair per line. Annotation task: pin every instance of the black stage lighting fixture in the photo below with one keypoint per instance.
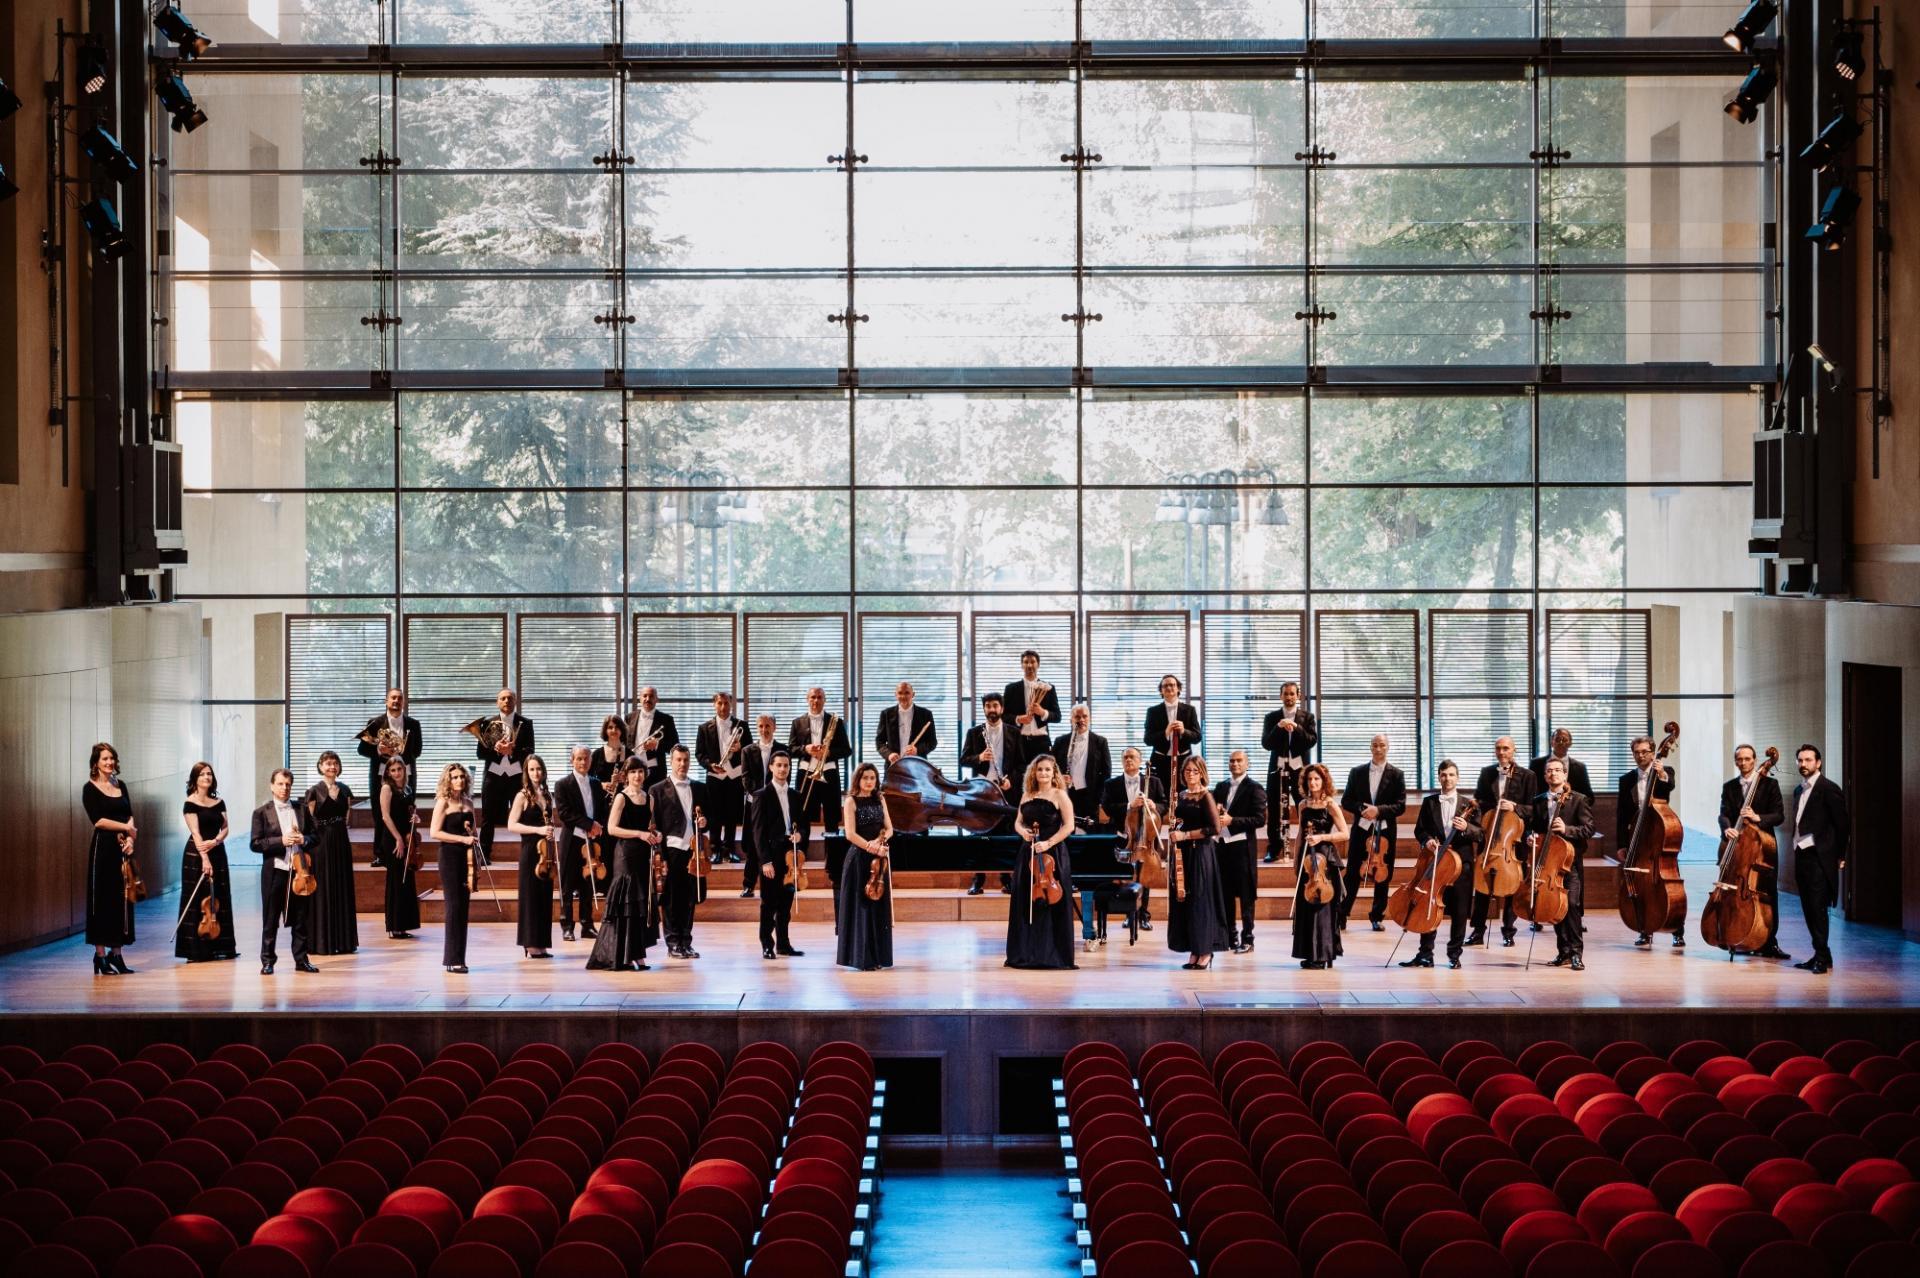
x,y
1832,143
1751,25
174,26
179,104
1745,106
1849,54
102,147
7,189
103,224
1836,215
93,68
9,101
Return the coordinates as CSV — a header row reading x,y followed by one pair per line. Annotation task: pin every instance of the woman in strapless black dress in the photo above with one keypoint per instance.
x,y
531,818
1040,934
393,822
866,926
335,912
203,872
624,935
1323,833
452,832
109,808
1196,923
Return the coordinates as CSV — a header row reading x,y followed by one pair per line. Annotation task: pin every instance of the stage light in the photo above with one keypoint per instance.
x,y
93,68
103,224
1849,54
174,26
7,189
179,104
1751,25
1814,349
102,147
1832,143
9,101
1745,106
1836,215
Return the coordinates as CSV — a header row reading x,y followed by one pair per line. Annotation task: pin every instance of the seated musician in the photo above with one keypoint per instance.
x,y
1440,819
1124,794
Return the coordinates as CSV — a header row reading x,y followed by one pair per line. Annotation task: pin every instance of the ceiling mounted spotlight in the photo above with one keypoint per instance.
x,y
1751,25
179,104
93,68
1836,216
103,224
1745,106
1849,54
9,101
103,148
173,24
1832,143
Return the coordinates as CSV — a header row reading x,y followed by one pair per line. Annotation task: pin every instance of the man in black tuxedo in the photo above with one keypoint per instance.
x,y
279,827
993,750
1504,786
1375,796
1440,819
904,728
720,745
1647,776
580,808
1133,788
652,735
1288,735
1086,764
778,827
500,766
1172,733
1751,799
396,718
1032,706
817,735
679,814
1576,770
1562,810
755,760
1817,830
1245,804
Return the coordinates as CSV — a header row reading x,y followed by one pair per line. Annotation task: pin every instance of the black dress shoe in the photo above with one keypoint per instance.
x,y
1560,960
566,934
790,952
1234,947
1453,961
1507,941
1821,967
266,969
1576,963
1477,937
1644,941
1418,960
1146,924
638,966
301,965
1534,926
1269,858
1679,941
1807,965
458,969
587,932
1246,944
1772,952
746,894
766,952
1378,926
100,967
688,952
976,890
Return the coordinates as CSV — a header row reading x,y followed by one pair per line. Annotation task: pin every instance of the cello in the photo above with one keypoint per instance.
x,y
918,797
1652,896
1545,900
1419,904
1500,872
1142,834
1735,916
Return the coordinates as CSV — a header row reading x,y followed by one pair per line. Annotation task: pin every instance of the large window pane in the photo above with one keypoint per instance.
x,y
503,22
802,440
1418,440
926,124
1647,318
1151,438
287,543
653,21
1655,214
1424,217
278,444
296,121
1438,538
505,323
277,221
730,542
512,441
1183,123
1194,19
1195,216
965,539
268,324
1635,18
948,439
718,221
1593,538
1424,121
757,322
503,122
1426,319
1397,19
1641,118
287,21
1198,320
975,20
504,221
1192,536
510,542
1648,438
919,218
994,321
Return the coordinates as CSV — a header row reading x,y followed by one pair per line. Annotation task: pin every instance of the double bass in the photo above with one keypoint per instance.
x,y
1419,904
918,798
1735,916
1652,896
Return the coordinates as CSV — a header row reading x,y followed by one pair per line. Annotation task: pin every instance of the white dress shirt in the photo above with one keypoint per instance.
x,y
1077,761
724,734
684,789
1374,771
1801,838
584,781
995,734
289,823
505,765
642,729
1449,802
1233,789
786,816
1032,728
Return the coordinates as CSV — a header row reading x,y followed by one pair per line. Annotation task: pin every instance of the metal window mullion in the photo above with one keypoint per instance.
x,y
851,661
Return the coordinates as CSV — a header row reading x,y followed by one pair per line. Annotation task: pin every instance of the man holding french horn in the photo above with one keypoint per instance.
x,y
393,733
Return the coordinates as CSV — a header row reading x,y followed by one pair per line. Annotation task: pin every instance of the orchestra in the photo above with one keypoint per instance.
x,y
627,824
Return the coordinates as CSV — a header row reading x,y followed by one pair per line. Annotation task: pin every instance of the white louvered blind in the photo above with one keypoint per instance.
x,y
1127,655
998,640
1480,679
456,665
569,666
685,658
1367,680
924,650
1599,683
1244,658
338,671
789,653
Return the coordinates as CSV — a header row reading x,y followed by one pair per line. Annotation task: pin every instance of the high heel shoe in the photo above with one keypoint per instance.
x,y
100,967
119,964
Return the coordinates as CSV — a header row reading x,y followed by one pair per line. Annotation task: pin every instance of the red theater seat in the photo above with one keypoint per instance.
x,y
411,1237
1669,1259
686,1260
475,1260
154,1261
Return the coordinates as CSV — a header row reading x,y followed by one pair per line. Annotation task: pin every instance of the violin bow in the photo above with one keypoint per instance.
x,y
191,898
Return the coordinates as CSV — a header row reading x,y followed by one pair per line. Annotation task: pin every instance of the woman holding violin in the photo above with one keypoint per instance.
x,y
1197,923
1040,911
394,849
1562,814
621,945
453,833
336,913
865,890
110,901
205,929
1319,893
531,817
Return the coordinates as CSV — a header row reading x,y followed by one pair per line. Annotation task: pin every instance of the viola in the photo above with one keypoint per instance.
x,y
1375,869
1500,872
1735,916
876,886
918,797
1046,876
1319,887
1418,905
209,924
1652,896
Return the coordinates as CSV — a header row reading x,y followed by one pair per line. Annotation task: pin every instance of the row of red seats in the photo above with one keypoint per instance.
x,y
166,1165
1701,1159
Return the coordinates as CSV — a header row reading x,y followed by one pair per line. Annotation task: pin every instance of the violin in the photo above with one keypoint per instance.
x,y
591,861
134,886
301,862
876,875
1500,872
1735,916
796,876
1319,887
918,797
1375,869
1652,896
209,924
1419,904
1046,876
1176,860
543,848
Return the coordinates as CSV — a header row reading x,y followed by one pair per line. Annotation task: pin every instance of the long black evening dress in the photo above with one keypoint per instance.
x,y
335,922
458,897
1316,928
403,892
866,927
109,913
1197,924
624,937
1040,935
536,893
187,941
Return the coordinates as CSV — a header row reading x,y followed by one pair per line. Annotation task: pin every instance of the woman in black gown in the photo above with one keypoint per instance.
x,y
394,821
624,933
335,912
1039,934
866,926
530,818
203,872
1196,922
609,762
1323,832
109,809
452,832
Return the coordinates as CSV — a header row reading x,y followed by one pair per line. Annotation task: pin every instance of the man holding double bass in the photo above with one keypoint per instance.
x,y
1747,801
1647,778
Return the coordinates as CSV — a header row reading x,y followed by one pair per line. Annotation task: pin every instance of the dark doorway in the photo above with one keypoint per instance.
x,y
1870,762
